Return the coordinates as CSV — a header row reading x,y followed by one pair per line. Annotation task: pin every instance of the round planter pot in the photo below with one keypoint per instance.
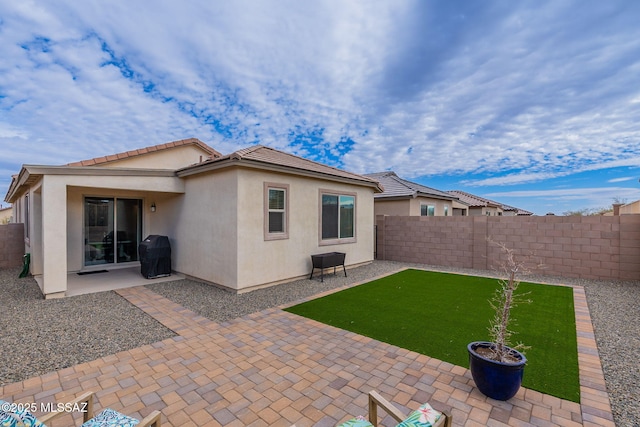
x,y
497,380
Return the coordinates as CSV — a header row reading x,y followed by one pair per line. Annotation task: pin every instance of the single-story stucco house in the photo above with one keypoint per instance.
x,y
403,197
242,221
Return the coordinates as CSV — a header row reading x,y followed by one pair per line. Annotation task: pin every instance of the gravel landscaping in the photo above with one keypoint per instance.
x,y
39,336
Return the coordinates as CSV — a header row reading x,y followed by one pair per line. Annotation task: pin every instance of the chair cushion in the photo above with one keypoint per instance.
x,y
13,416
358,421
425,416
111,418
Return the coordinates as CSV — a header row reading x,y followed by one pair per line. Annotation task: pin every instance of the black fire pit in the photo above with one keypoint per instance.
x,y
330,259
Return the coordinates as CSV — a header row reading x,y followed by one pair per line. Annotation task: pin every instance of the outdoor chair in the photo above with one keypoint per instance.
x,y
425,416
106,418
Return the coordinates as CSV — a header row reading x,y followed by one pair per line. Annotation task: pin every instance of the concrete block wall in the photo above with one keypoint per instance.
x,y
593,247
11,245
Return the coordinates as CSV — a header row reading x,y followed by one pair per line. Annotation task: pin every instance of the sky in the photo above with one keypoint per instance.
x,y
535,104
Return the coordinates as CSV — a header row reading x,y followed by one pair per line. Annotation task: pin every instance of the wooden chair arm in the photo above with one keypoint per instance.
x,y
448,421
86,397
151,420
376,400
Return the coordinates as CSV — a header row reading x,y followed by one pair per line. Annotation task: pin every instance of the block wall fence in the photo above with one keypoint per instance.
x,y
590,247
11,245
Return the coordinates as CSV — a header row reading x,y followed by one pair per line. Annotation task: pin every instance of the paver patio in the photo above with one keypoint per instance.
x,y
274,368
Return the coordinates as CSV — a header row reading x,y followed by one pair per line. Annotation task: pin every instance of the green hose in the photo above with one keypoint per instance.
x,y
25,266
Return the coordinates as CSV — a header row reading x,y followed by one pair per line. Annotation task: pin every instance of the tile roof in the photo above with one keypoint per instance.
x,y
473,200
477,201
118,156
394,186
261,155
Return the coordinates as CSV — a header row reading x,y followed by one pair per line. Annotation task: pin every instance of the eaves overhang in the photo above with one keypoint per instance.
x,y
30,174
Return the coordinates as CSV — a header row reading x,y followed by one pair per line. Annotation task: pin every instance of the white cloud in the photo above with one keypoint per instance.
x,y
623,179
534,90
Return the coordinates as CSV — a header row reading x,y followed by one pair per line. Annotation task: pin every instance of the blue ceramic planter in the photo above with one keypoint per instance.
x,y
497,380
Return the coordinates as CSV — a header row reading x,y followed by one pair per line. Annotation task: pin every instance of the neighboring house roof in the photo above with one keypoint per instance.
x,y
473,200
119,156
519,211
396,187
259,156
476,201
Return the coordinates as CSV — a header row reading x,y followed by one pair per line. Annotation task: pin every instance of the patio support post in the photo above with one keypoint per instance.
x,y
54,237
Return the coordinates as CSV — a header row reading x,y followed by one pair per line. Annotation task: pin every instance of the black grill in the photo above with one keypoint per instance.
x,y
155,256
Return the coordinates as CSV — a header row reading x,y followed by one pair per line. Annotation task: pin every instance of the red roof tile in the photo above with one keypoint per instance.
x,y
132,153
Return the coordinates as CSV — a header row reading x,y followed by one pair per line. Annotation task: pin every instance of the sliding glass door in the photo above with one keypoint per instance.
x,y
112,230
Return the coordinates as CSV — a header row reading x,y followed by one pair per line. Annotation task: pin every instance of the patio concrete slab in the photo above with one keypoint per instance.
x,y
112,279
274,368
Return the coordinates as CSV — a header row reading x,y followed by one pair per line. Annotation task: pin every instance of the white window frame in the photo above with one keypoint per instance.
x,y
433,209
280,235
339,240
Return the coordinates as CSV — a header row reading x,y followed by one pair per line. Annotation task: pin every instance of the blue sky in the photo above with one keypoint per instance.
x,y
535,104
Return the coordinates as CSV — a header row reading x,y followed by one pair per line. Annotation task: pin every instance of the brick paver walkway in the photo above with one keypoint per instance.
x,y
273,368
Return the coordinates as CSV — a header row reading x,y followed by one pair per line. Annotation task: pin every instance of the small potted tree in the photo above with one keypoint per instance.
x,y
496,366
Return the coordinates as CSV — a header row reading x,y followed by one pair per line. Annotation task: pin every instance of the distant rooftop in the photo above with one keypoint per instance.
x,y
394,186
476,201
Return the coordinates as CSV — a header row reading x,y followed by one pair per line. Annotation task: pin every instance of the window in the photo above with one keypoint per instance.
x,y
337,218
427,210
446,211
275,211
112,230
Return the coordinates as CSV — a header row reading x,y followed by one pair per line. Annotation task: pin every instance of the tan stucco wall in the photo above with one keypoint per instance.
x,y
459,207
485,211
630,208
5,215
260,261
411,207
172,158
204,244
54,234
415,209
392,207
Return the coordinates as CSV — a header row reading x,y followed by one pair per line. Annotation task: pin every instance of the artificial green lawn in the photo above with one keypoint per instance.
x,y
438,314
